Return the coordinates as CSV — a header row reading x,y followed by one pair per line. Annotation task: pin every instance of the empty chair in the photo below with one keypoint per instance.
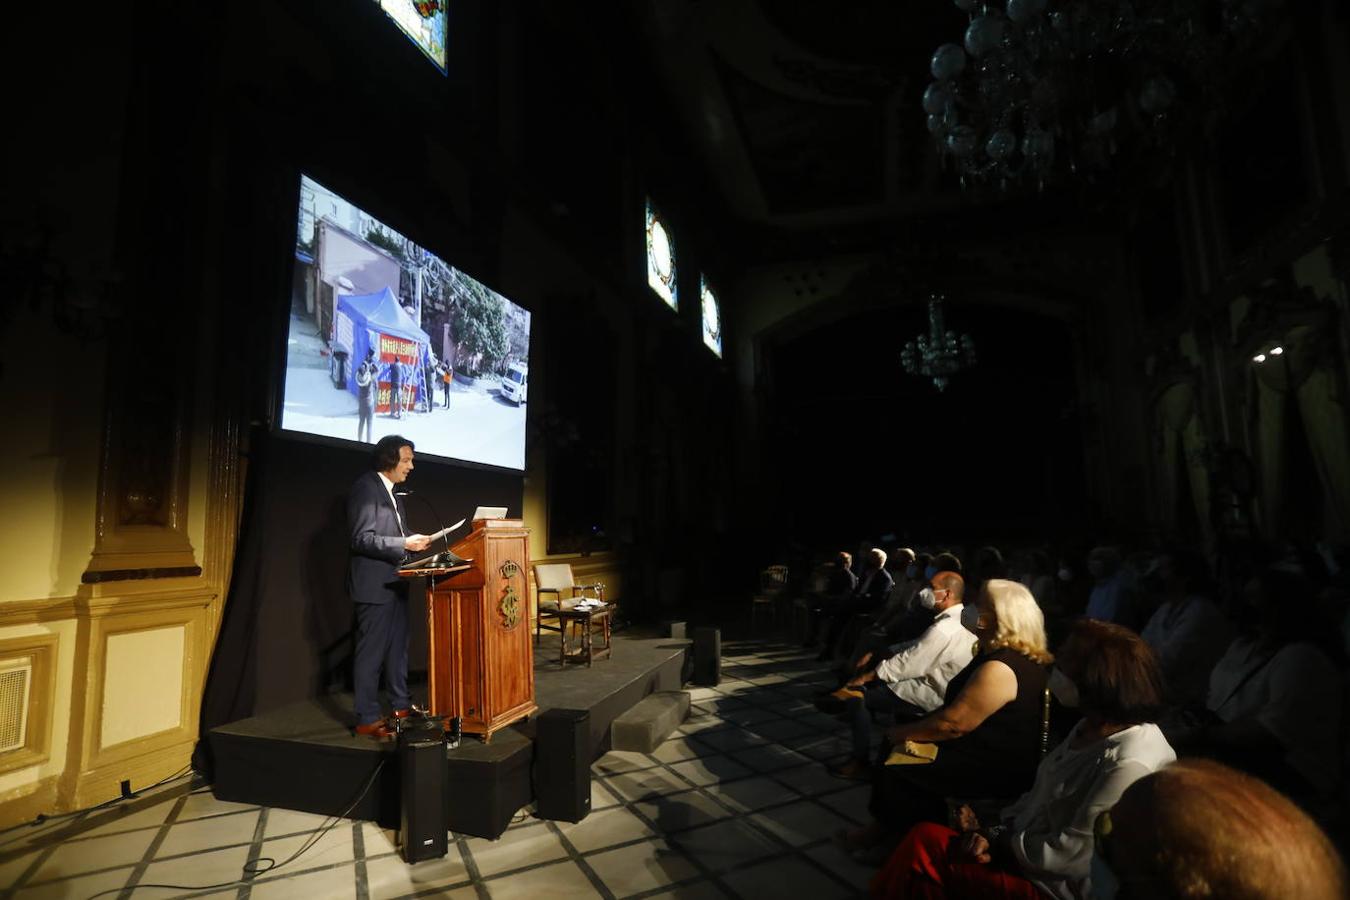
x,y
772,586
556,579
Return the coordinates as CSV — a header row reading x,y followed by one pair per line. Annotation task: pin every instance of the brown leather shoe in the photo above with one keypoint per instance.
x,y
413,710
379,730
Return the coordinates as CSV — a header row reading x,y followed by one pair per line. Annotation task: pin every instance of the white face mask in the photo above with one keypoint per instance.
x,y
1103,883
970,618
927,599
1065,691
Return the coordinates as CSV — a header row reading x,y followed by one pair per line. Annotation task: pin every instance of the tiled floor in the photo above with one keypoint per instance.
x,y
735,804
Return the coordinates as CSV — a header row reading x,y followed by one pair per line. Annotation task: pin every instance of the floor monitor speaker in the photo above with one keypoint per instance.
x,y
562,765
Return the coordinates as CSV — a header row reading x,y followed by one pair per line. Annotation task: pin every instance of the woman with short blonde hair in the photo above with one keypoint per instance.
x,y
1020,625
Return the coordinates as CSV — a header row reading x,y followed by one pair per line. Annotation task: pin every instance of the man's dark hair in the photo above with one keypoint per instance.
x,y
946,562
386,451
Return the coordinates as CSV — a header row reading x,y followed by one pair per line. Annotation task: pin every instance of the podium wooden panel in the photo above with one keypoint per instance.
x,y
480,659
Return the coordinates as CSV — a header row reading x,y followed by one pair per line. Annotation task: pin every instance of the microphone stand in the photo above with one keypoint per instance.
x,y
448,556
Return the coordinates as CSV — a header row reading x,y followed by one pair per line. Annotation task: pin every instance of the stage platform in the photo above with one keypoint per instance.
x,y
305,757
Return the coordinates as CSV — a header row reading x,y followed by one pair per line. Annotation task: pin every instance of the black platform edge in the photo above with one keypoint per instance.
x,y
300,757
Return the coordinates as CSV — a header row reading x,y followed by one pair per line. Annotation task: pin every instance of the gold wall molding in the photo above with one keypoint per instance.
x,y
141,759
36,612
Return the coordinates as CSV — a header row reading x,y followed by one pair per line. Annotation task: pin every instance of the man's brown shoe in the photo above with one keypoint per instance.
x,y
379,730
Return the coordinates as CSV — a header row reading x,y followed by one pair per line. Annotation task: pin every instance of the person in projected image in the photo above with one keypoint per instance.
x,y
367,378
380,543
395,388
446,374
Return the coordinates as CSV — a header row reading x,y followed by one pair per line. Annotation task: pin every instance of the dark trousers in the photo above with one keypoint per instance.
x,y
844,611
381,643
363,422
447,394
877,697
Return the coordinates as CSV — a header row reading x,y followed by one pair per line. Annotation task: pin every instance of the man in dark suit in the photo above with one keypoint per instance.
x,y
874,586
380,543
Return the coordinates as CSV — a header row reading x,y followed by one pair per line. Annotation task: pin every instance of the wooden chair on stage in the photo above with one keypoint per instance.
x,y
557,579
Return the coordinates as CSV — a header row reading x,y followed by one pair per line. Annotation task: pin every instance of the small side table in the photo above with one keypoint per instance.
x,y
588,619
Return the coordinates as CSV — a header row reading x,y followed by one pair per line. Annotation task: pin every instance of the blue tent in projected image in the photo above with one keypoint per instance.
x,y
378,320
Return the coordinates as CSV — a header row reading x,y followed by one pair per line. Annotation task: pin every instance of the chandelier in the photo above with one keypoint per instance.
x,y
939,353
1040,87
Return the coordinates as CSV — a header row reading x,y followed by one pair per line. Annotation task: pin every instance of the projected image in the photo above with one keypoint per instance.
x,y
423,21
712,317
660,259
386,338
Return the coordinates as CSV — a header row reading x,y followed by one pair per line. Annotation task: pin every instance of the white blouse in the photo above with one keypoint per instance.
x,y
1052,824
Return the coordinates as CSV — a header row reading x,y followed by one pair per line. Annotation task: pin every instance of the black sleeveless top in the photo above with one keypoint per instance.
x,y
999,758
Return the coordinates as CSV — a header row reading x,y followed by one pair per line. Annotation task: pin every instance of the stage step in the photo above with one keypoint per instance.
x,y
646,725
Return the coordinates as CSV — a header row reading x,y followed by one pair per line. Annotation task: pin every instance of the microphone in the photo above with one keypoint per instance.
x,y
448,557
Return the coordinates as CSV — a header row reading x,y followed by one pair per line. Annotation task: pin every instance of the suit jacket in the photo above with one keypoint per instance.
x,y
376,544
874,592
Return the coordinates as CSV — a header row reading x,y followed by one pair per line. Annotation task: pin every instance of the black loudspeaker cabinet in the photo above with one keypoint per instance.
x,y
422,828
562,765
707,651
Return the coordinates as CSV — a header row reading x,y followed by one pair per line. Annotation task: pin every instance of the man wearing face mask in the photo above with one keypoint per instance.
x,y
913,681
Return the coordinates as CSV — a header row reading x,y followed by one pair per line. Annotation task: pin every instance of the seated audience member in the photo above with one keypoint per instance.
x,y
989,564
903,585
839,586
1044,842
912,681
1274,700
1114,596
908,582
874,585
1187,632
916,619
988,730
1199,829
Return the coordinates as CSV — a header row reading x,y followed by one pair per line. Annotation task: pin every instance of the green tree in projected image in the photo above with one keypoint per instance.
x,y
479,324
394,245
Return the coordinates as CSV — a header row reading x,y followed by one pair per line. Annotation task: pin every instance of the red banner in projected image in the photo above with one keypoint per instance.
x,y
382,397
392,348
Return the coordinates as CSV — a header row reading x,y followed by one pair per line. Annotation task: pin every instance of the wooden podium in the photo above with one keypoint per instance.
x,y
480,660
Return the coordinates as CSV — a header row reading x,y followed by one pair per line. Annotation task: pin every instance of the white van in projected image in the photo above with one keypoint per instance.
x,y
516,384
377,322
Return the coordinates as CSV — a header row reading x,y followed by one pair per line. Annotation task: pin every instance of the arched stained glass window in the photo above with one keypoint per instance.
x,y
712,317
660,258
423,21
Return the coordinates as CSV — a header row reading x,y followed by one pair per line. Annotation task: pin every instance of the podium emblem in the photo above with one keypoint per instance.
x,y
510,602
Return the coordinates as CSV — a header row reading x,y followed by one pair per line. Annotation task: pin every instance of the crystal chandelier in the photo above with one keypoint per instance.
x,y
1039,87
939,353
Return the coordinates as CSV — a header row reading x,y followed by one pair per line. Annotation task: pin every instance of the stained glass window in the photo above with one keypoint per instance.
x,y
712,317
423,21
660,258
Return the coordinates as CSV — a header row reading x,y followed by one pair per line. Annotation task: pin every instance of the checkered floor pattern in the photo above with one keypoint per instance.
x,y
735,804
